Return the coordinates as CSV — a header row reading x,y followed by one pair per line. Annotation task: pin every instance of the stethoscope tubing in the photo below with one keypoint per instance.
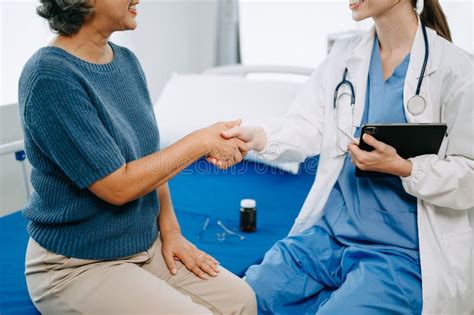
x,y
425,60
420,79
349,84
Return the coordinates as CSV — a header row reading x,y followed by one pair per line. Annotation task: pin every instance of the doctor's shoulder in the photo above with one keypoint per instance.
x,y
456,66
334,62
344,47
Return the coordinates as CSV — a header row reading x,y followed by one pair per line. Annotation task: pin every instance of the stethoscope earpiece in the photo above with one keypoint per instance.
x,y
420,6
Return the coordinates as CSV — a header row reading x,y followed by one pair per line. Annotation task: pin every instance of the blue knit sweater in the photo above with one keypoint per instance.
x,y
81,122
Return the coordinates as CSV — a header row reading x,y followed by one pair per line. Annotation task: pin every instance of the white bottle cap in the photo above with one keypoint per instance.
x,y
248,203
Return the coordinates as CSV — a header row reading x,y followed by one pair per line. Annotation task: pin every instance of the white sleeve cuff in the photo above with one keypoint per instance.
x,y
411,183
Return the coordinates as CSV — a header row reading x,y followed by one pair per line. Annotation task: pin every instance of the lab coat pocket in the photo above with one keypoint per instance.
x,y
459,249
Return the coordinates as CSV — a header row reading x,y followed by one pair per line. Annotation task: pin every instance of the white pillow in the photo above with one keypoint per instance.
x,y
190,102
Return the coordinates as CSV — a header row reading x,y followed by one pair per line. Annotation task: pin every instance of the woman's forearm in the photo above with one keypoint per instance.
x,y
145,175
167,219
140,177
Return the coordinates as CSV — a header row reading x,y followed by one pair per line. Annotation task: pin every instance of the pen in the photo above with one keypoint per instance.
x,y
356,141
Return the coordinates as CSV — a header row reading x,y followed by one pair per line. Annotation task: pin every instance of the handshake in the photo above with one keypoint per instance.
x,y
228,142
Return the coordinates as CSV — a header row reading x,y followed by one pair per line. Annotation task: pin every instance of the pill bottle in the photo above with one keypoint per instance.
x,y
248,215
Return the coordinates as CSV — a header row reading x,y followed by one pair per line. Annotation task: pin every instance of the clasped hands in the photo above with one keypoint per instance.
x,y
229,142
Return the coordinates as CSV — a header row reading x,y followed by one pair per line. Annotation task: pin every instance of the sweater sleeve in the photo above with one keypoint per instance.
x,y
66,126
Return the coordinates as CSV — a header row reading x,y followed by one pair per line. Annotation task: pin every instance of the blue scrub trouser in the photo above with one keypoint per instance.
x,y
314,273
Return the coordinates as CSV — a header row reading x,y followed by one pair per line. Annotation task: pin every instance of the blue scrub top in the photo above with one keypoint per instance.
x,y
375,212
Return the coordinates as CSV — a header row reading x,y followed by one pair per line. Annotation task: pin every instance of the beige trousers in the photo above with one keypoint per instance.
x,y
140,284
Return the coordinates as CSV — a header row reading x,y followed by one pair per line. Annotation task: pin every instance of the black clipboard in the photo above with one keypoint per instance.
x,y
409,140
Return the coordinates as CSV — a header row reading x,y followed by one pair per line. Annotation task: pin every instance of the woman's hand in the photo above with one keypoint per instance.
x,y
383,159
226,151
254,137
176,247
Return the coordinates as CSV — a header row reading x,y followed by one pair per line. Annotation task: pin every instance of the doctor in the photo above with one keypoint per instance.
x,y
396,245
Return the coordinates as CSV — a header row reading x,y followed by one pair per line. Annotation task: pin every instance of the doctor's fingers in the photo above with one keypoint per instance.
x,y
233,124
353,150
220,127
358,155
377,145
358,163
234,132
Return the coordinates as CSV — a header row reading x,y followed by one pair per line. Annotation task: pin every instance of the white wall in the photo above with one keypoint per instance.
x,y
175,36
22,32
294,32
172,35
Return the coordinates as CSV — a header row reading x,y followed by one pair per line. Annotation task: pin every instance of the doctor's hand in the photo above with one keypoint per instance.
x,y
383,158
254,137
225,152
176,248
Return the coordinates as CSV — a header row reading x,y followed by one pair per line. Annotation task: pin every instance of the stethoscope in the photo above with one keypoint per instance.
x,y
416,104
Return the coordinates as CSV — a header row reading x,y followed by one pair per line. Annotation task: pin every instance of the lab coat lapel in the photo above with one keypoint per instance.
x,y
417,56
358,70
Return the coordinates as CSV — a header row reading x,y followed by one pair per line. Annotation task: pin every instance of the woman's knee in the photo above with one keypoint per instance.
x,y
241,298
225,294
246,299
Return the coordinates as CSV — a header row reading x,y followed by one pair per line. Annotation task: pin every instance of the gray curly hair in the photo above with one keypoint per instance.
x,y
65,17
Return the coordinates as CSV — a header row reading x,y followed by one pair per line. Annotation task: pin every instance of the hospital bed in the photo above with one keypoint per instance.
x,y
206,199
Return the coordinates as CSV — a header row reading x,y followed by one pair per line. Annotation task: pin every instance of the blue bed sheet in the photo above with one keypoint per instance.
x,y
200,192
14,298
203,191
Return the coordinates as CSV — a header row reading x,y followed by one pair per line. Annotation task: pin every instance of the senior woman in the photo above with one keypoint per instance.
x,y
104,235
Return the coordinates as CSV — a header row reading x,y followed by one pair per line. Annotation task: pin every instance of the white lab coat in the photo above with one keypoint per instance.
x,y
443,184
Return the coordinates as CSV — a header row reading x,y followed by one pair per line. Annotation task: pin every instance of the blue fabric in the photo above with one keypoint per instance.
x,y
362,257
313,273
202,191
81,122
199,192
14,297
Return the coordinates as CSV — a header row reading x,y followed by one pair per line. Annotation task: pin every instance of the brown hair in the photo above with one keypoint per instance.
x,y
434,17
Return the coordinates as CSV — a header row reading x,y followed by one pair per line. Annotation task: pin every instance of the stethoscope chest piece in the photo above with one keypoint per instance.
x,y
416,105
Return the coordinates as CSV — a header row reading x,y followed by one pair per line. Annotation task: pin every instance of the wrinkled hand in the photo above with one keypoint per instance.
x,y
226,152
383,158
254,137
176,248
